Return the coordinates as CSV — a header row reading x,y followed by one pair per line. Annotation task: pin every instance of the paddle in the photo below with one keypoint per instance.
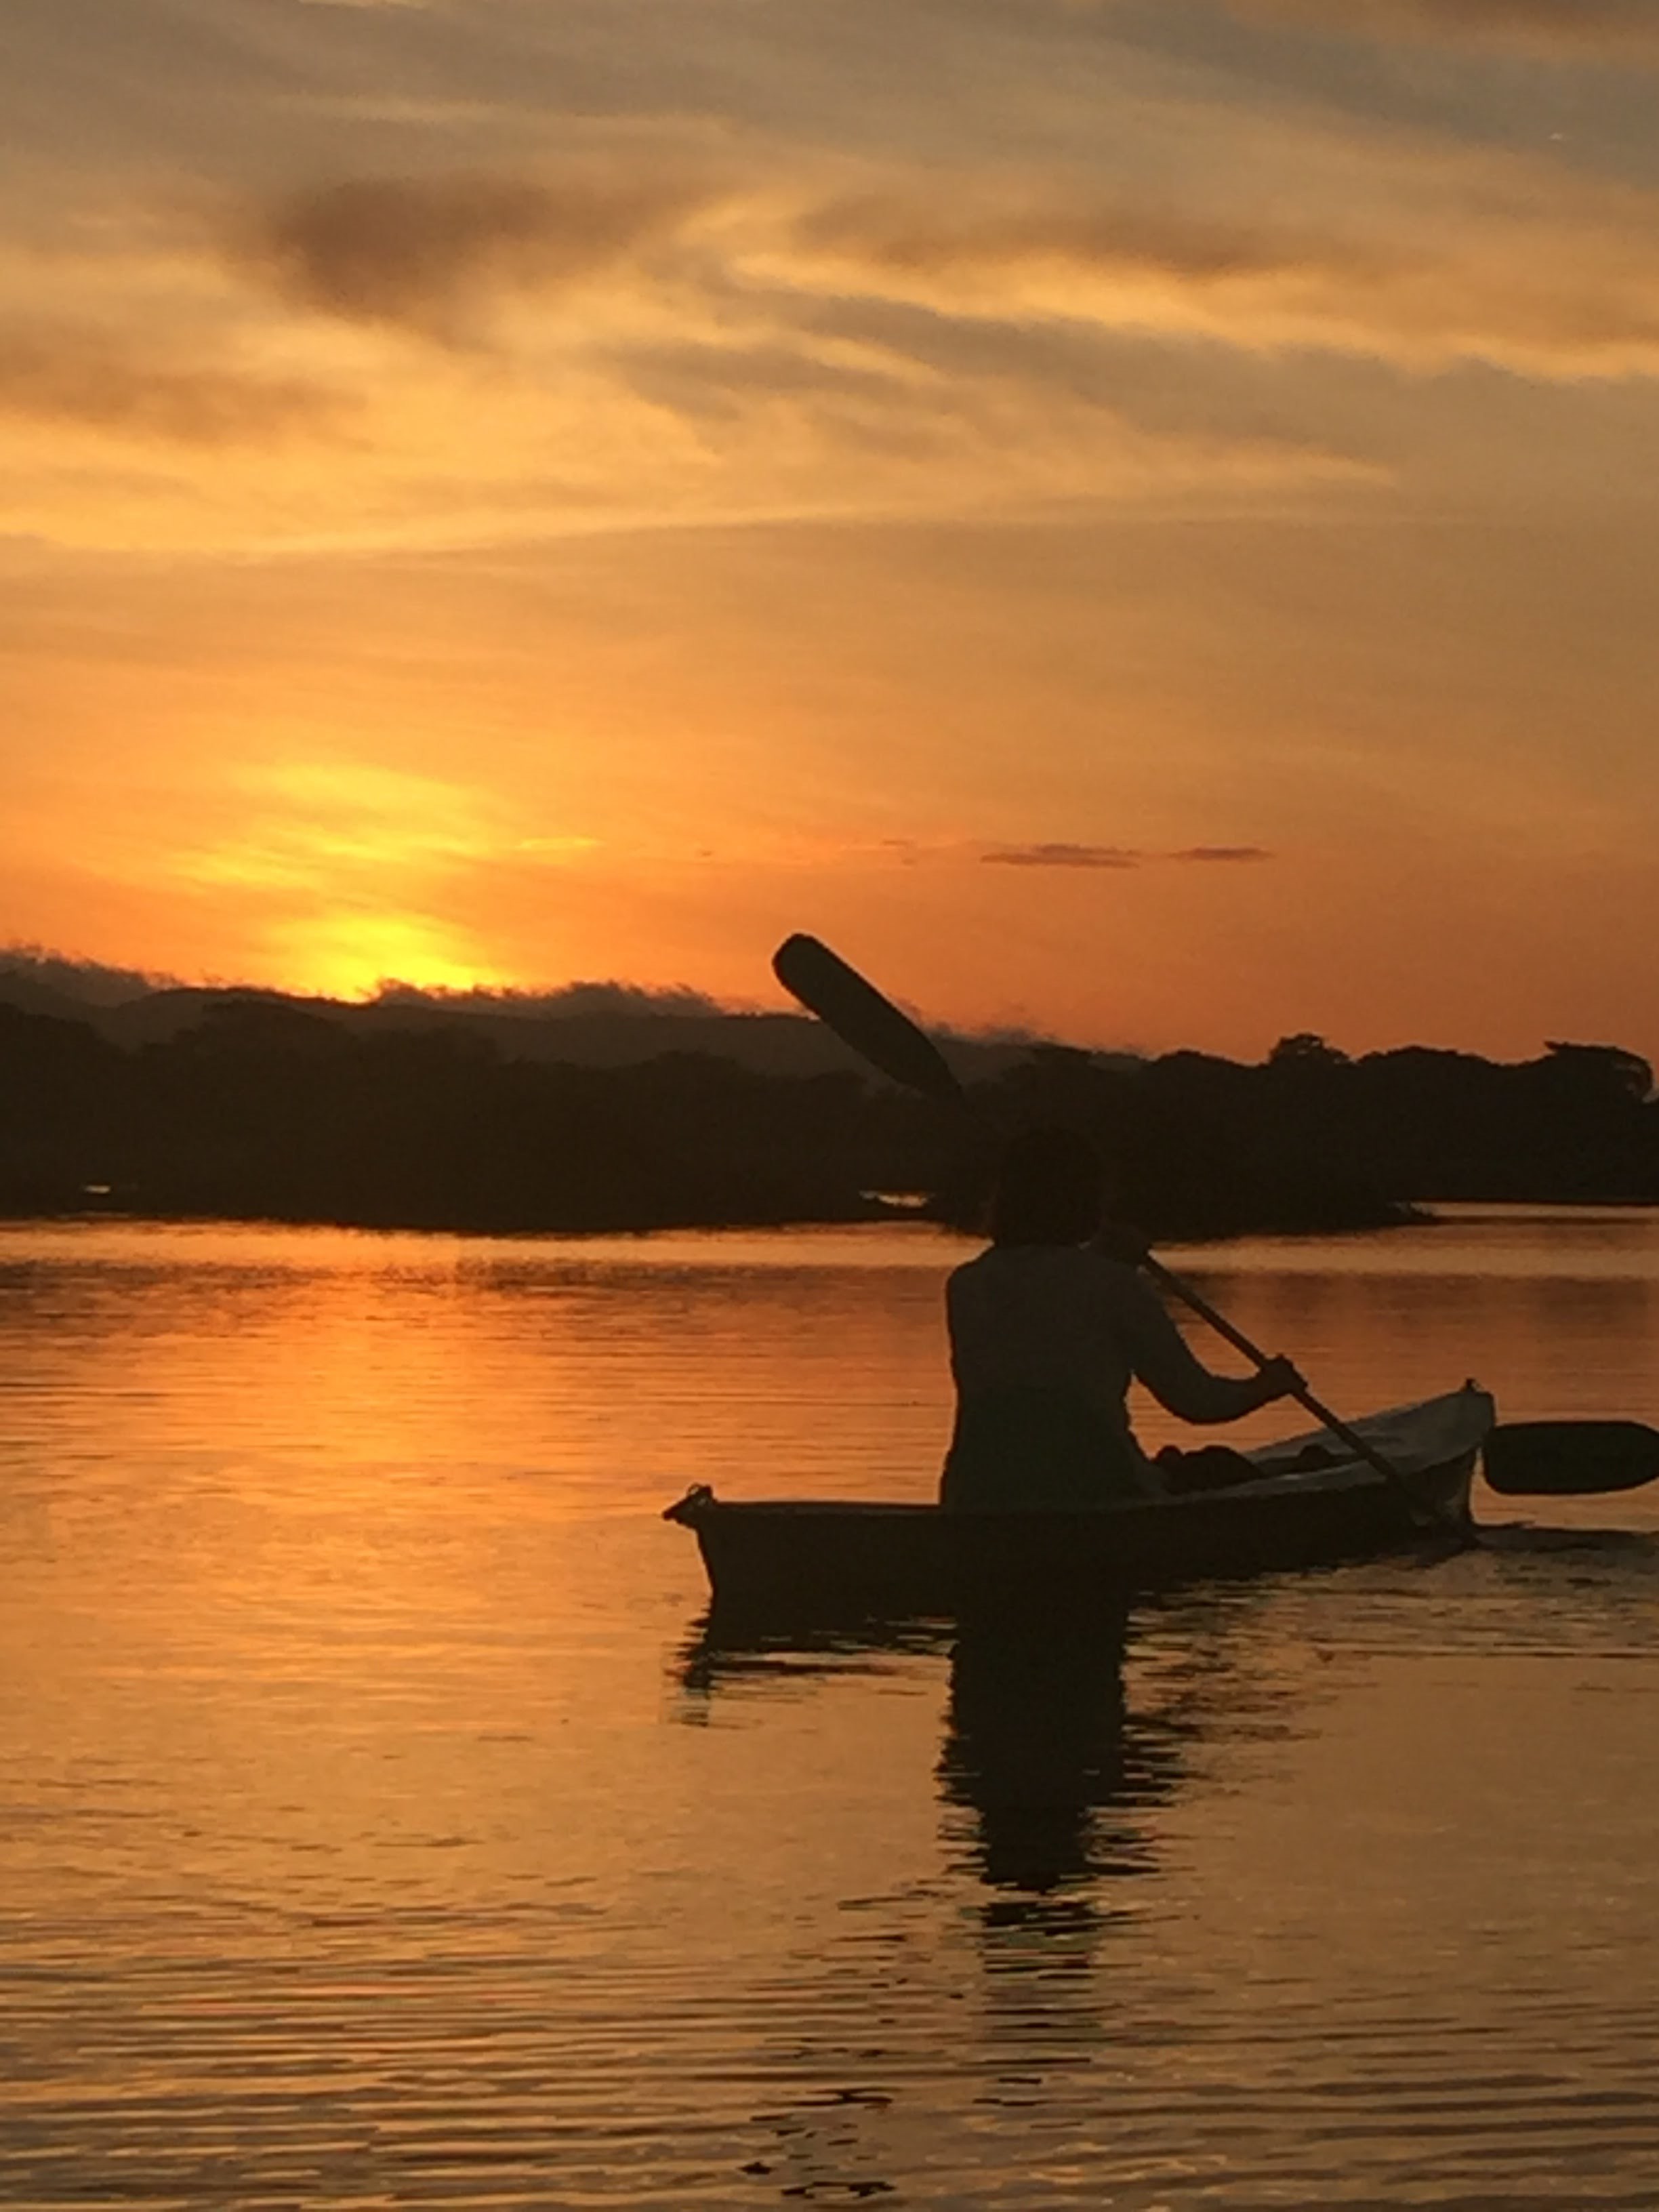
x,y
1569,1459
846,1002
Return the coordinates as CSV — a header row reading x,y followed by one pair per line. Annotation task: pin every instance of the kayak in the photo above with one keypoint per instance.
x,y
1310,1503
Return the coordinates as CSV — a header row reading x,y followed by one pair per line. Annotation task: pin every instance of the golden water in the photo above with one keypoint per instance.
x,y
376,1829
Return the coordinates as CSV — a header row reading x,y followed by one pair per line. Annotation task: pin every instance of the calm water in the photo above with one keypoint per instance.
x,y
379,1831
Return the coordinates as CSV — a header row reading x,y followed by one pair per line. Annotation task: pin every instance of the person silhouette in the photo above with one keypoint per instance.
x,y
1049,1326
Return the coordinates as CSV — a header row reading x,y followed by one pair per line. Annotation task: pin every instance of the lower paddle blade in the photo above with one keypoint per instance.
x,y
860,1016
1569,1459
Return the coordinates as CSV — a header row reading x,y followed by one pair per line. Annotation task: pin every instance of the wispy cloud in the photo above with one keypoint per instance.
x,y
1581,27
947,233
304,821
52,373
1425,256
681,316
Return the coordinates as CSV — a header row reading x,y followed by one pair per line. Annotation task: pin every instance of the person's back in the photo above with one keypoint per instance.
x,y
1047,1334
1039,1353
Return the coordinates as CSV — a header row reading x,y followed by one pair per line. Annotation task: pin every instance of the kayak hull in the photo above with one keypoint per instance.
x,y
827,1560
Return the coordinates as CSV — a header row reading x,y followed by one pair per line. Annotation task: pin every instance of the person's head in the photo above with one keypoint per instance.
x,y
1050,1189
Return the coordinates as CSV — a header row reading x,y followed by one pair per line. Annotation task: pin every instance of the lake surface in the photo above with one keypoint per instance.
x,y
378,1829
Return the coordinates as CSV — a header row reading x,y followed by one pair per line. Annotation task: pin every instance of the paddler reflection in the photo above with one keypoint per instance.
x,y
1039,1747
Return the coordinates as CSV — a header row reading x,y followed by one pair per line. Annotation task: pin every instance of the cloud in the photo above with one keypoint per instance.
x,y
1558,26
685,327
1425,255
416,250
1062,856
1223,853
568,1001
50,373
968,235
1112,856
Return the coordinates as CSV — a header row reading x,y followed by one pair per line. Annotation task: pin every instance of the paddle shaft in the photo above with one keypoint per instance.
x,y
850,1004
1304,1397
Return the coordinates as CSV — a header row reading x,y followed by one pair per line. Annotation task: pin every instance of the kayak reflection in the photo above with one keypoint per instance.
x,y
1045,1771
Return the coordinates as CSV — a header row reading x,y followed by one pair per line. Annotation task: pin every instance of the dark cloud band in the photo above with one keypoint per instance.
x,y
411,250
1059,855
1062,856
1561,25
1223,853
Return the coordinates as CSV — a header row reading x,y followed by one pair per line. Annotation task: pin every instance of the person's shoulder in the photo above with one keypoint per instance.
x,y
971,1276
1081,1264
1118,1281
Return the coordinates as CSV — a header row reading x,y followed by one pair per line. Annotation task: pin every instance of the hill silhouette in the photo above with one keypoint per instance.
x,y
586,1024
603,1108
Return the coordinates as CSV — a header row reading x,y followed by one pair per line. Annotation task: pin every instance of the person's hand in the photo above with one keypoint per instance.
x,y
1119,1240
1279,1379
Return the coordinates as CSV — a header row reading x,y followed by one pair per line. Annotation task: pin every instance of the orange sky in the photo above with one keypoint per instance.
x,y
1133,518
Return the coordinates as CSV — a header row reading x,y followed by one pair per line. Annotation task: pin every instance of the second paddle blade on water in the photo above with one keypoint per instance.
x,y
1569,1459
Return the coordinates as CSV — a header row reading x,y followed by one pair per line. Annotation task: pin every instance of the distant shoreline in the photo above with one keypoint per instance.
x,y
872,1216
251,1108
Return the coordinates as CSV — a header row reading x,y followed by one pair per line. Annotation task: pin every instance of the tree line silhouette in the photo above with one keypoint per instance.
x,y
263,1110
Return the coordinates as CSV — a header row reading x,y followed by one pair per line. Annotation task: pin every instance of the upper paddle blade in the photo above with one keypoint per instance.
x,y
1569,1459
860,1016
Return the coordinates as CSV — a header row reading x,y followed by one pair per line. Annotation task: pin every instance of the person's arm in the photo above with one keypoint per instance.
x,y
1182,1384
